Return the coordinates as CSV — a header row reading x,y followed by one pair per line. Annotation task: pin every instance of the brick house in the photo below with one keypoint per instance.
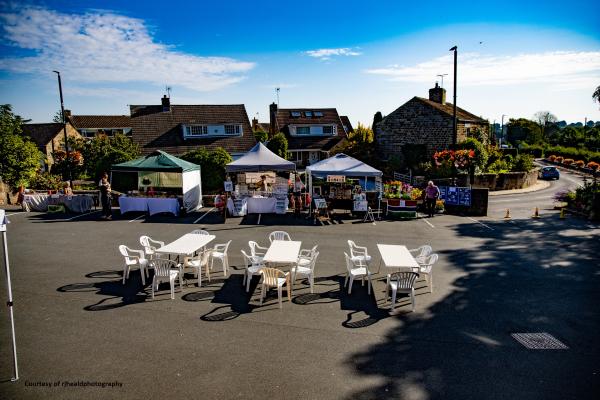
x,y
312,133
91,125
49,138
178,129
424,125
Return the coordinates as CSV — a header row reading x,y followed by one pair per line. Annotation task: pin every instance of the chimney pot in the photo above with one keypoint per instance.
x,y
437,94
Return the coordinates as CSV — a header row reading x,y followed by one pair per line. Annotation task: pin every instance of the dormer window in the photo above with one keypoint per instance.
x,y
318,114
295,114
201,131
313,130
308,114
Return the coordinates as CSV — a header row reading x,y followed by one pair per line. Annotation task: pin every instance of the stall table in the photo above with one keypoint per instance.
x,y
151,205
73,203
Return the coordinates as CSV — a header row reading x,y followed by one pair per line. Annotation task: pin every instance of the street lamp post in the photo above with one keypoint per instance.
x,y
454,127
64,122
502,130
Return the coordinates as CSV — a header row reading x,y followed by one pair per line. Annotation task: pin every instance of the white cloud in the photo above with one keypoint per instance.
x,y
104,47
560,69
327,54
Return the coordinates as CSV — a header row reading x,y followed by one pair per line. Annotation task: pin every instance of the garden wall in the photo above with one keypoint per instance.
x,y
504,181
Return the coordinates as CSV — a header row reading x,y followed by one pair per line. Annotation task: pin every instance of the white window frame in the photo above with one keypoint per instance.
x,y
207,130
314,130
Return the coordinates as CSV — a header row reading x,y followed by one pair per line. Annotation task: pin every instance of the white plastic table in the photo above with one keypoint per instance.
x,y
283,252
186,245
397,257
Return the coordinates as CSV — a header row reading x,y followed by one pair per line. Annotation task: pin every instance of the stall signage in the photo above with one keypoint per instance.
x,y
456,196
336,178
228,186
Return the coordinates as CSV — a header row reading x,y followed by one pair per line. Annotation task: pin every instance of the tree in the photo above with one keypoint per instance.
x,y
522,129
101,152
596,94
212,165
544,119
19,157
57,118
278,145
360,144
62,167
261,136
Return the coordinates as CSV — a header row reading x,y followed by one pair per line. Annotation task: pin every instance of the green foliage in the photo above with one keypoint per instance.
x,y
481,154
261,136
46,181
212,164
522,163
361,135
19,157
571,152
278,145
61,165
535,150
522,129
360,145
101,152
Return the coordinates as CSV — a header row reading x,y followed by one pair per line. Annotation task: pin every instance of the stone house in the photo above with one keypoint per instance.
x,y
49,138
425,126
312,133
178,129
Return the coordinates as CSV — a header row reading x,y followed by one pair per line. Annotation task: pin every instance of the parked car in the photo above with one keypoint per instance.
x,y
550,173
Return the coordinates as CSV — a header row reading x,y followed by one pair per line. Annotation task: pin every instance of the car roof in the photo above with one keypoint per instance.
x,y
550,168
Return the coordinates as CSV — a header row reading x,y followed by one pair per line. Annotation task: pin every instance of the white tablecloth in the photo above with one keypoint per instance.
x,y
397,256
35,202
187,244
261,205
158,205
243,207
127,204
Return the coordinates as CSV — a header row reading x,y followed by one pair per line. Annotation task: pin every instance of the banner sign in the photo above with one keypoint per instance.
x,y
336,178
455,196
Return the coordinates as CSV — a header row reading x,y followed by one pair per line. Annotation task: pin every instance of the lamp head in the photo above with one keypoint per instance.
x,y
453,49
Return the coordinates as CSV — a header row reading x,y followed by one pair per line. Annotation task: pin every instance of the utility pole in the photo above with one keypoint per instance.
x,y
277,90
64,122
454,127
502,129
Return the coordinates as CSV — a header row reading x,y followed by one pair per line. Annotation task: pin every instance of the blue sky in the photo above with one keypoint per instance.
x,y
515,57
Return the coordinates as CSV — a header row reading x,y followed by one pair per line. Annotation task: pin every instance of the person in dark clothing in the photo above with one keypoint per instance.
x,y
105,196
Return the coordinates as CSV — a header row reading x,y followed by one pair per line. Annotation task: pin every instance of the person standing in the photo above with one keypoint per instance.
x,y
105,196
432,193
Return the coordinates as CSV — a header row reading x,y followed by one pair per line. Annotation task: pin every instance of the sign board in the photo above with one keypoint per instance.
x,y
336,178
3,221
455,196
361,205
320,203
228,186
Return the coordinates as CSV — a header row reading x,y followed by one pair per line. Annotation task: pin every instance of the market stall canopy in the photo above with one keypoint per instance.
x,y
260,158
342,164
157,161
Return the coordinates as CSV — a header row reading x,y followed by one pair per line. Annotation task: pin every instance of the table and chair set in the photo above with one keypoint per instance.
x,y
279,264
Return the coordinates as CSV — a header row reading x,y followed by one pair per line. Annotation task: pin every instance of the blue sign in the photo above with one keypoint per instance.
x,y
455,196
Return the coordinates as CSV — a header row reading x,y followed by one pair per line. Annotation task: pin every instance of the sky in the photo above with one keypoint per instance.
x,y
514,57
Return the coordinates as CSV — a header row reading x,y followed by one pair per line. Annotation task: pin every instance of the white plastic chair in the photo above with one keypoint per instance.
x,y
305,256
359,253
150,245
401,282
166,271
279,235
356,269
421,252
426,268
307,271
220,253
253,265
200,232
197,262
273,277
256,250
132,258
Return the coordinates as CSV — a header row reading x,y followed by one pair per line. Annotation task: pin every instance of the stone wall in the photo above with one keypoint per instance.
x,y
417,123
505,181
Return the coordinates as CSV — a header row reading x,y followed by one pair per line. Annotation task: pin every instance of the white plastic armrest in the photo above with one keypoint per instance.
x,y
139,252
305,253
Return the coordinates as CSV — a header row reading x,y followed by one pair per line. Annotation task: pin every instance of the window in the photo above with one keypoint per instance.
x,y
327,130
232,129
308,114
194,131
197,130
303,130
318,114
295,114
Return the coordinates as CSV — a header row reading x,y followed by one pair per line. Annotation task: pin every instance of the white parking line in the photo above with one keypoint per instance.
x,y
203,215
259,215
19,213
81,215
427,222
135,219
481,223
503,201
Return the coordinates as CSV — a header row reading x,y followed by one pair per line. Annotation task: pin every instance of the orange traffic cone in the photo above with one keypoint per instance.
x,y
507,216
536,213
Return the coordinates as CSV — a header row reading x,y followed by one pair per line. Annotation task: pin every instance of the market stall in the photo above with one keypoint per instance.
x,y
401,200
258,187
344,182
156,183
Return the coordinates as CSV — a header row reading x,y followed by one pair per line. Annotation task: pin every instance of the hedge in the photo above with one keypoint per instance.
x,y
574,153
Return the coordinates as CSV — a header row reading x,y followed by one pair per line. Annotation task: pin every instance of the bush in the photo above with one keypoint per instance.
x,y
523,163
593,165
212,165
574,153
559,159
278,145
46,181
580,163
481,154
552,158
535,150
568,161
261,136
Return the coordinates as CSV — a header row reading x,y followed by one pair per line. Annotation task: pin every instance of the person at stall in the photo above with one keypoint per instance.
x,y
432,193
105,196
298,188
262,184
67,189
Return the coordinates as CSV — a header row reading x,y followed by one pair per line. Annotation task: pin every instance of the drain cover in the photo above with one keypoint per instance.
x,y
539,341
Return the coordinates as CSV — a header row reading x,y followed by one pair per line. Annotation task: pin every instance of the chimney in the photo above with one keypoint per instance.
x,y
166,103
67,115
437,94
273,119
254,124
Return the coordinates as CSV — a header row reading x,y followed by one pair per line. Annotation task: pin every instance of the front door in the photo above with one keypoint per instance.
x,y
313,157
